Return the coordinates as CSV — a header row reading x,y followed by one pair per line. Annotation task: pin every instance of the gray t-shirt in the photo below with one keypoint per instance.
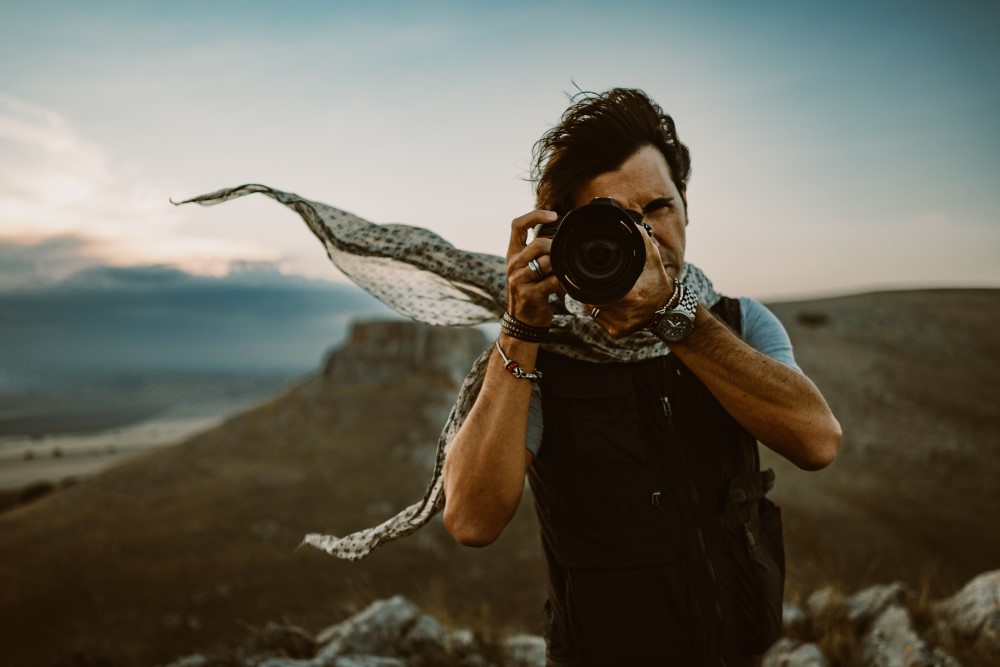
x,y
761,330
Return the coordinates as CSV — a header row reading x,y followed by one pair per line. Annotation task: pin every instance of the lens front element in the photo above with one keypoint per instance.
x,y
598,252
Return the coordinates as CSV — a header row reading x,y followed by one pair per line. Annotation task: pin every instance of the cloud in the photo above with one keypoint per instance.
x,y
47,171
57,184
25,264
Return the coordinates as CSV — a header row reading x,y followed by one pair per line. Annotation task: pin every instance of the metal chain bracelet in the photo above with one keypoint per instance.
x,y
514,369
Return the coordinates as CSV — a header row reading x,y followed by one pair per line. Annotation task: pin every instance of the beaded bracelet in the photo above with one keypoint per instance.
x,y
515,328
514,369
675,295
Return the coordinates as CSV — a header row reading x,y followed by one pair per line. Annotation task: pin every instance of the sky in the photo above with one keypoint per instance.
x,y
837,147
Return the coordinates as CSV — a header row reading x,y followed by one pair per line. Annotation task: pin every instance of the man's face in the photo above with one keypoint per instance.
x,y
643,183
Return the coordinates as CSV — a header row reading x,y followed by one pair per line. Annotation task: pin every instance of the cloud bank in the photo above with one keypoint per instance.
x,y
101,320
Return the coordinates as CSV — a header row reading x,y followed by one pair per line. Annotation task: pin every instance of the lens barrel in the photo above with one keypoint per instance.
x,y
598,251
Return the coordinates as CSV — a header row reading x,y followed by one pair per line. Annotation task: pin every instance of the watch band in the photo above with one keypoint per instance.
x,y
688,301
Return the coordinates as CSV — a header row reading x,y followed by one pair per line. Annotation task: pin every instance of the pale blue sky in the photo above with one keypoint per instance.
x,y
836,146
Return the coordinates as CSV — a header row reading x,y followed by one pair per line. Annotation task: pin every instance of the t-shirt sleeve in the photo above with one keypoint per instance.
x,y
764,332
534,436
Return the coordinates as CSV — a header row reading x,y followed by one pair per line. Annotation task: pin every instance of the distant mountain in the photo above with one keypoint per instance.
x,y
104,321
193,546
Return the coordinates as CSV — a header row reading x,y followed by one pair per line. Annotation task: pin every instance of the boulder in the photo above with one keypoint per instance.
x,y
971,617
794,619
524,651
466,648
368,661
393,628
866,605
891,641
424,643
373,631
790,653
822,601
195,660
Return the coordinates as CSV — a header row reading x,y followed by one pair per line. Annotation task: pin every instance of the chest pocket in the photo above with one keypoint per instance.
x,y
601,416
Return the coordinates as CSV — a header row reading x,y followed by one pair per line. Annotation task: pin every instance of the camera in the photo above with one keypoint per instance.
x,y
597,250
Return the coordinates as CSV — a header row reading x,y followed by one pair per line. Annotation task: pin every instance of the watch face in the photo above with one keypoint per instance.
x,y
674,326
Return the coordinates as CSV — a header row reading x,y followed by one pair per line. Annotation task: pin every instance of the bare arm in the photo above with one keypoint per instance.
x,y
777,404
486,464
487,461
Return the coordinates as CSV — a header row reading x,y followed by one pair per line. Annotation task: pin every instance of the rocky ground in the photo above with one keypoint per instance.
x,y
886,625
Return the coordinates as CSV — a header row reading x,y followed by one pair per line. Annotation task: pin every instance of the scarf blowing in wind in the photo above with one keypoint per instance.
x,y
420,275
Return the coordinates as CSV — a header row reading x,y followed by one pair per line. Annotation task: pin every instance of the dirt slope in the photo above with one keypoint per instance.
x,y
194,546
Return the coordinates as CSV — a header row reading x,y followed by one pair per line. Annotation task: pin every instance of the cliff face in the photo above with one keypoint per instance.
x,y
377,352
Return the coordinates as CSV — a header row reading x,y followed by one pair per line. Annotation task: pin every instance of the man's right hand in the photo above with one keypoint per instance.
x,y
527,296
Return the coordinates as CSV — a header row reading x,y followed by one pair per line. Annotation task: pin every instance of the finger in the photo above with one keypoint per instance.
x,y
652,248
545,264
525,278
537,249
519,228
530,299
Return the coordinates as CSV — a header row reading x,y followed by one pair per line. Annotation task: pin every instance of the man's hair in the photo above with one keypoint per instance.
x,y
597,134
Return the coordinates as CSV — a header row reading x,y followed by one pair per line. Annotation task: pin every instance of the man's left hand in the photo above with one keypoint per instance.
x,y
650,292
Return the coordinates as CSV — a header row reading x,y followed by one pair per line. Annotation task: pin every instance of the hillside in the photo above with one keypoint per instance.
x,y
194,546
912,377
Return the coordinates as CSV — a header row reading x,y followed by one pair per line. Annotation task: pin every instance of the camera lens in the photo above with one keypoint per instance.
x,y
598,252
597,258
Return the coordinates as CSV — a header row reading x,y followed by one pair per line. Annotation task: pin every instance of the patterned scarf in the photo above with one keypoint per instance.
x,y
422,276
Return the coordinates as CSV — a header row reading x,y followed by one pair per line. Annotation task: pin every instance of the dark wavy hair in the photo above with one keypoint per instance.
x,y
597,134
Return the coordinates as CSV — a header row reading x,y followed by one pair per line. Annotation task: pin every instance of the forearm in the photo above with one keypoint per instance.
x,y
487,461
778,405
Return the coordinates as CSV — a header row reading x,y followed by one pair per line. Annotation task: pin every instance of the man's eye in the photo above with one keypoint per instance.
x,y
656,205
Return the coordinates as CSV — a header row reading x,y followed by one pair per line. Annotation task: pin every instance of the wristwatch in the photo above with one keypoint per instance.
x,y
673,325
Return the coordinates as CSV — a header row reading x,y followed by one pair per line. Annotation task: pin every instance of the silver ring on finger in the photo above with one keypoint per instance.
x,y
594,312
536,269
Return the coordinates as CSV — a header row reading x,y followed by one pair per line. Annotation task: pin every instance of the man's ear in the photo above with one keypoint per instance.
x,y
684,200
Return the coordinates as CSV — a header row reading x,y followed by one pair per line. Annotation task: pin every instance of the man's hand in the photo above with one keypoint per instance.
x,y
527,295
650,292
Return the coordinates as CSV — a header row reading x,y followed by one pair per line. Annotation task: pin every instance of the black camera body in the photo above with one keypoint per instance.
x,y
597,251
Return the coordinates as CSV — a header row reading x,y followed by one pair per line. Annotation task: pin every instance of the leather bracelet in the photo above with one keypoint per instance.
x,y
515,328
514,369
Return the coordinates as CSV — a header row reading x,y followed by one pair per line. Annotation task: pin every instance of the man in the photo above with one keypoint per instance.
x,y
661,547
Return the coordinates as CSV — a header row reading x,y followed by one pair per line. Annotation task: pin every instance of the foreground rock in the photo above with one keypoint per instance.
x,y
971,617
875,626
389,633
889,626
